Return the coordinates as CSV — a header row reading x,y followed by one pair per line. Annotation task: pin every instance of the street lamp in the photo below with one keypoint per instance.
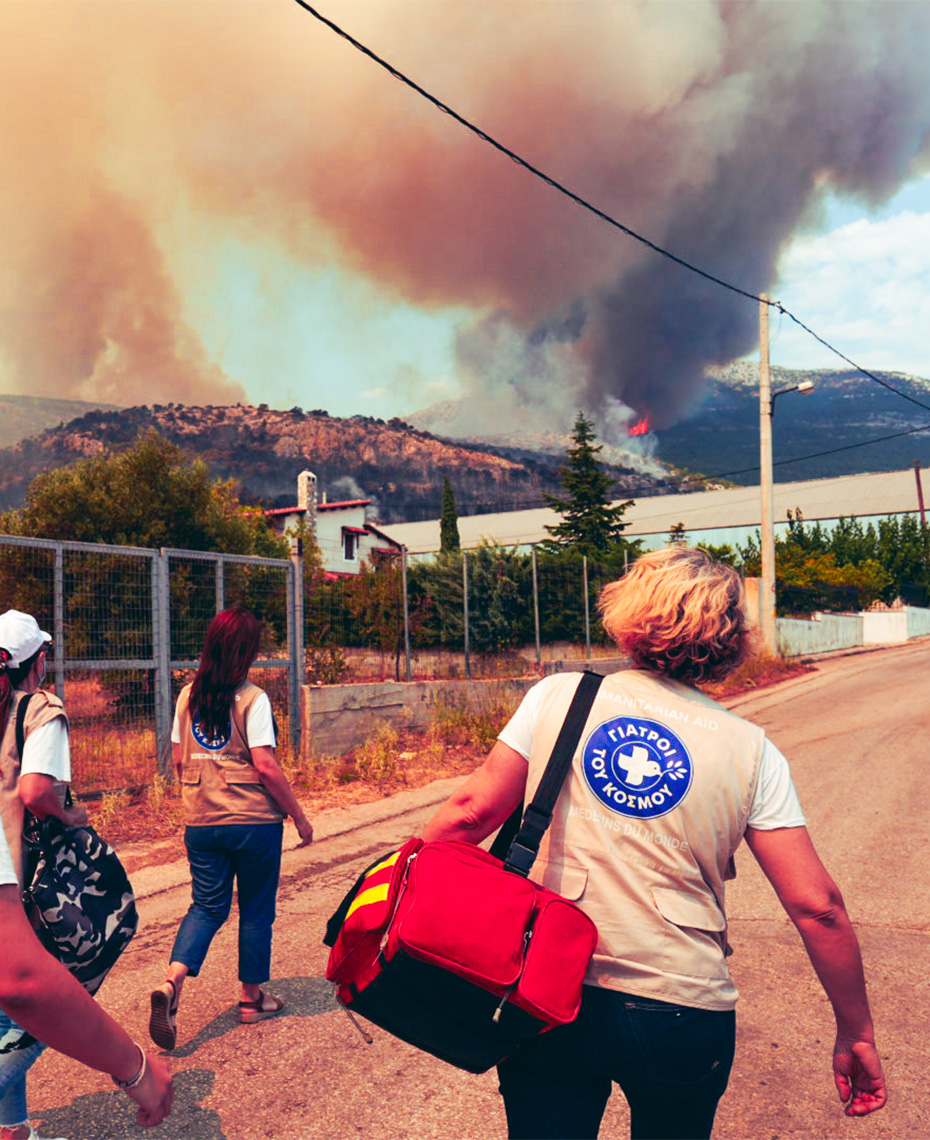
x,y
767,400
805,388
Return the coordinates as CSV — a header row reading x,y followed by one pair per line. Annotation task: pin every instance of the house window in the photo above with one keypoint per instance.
x,y
349,545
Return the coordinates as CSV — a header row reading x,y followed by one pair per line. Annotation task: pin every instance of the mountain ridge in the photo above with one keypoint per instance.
x,y
397,466
719,435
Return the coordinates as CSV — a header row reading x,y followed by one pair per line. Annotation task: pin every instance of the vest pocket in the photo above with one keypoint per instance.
x,y
684,908
566,879
190,775
241,776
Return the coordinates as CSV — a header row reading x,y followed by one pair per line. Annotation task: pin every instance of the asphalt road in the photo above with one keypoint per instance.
x,y
856,733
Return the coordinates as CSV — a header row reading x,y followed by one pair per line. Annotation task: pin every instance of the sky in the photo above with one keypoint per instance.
x,y
863,284
214,202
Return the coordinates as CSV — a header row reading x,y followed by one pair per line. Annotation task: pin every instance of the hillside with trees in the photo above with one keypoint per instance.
x,y
263,450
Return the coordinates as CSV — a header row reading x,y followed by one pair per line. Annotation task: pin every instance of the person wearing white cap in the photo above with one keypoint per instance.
x,y
61,1013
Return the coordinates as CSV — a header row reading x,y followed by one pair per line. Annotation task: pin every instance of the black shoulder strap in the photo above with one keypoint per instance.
x,y
538,816
21,722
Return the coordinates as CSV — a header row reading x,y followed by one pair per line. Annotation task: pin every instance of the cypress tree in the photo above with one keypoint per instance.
x,y
448,520
590,525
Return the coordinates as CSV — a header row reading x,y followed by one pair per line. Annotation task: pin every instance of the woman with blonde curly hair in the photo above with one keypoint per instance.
x,y
664,786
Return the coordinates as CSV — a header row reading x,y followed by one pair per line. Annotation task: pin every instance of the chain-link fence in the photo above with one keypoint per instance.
x,y
489,612
128,624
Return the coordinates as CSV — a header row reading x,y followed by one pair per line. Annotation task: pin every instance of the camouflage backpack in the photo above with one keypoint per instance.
x,y
77,893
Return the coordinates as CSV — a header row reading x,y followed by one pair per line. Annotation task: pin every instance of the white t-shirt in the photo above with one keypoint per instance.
x,y
47,751
775,803
7,874
259,725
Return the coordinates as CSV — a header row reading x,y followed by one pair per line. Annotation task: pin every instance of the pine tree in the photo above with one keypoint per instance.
x,y
448,520
590,524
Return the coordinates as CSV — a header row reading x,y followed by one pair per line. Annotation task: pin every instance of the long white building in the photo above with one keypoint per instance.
x,y
726,516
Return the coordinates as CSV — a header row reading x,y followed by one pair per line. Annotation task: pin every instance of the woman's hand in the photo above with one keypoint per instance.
x,y
857,1071
304,830
76,816
154,1093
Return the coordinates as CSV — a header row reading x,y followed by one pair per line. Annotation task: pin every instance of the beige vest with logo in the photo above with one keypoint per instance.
x,y
43,708
649,871
223,786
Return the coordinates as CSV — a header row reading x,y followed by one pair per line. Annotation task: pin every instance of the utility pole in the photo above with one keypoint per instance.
x,y
920,493
766,486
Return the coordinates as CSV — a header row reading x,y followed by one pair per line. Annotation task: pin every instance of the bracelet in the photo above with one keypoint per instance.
x,y
137,1079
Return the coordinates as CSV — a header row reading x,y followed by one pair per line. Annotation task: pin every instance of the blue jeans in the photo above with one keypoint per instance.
x,y
13,1068
250,854
671,1061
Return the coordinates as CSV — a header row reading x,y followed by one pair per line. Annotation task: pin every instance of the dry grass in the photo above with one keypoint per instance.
x,y
760,670
392,758
112,757
109,808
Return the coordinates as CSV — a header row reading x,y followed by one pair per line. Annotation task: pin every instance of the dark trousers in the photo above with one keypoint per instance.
x,y
248,855
671,1061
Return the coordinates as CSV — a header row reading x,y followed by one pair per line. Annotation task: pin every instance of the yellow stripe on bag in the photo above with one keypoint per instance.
x,y
372,895
388,862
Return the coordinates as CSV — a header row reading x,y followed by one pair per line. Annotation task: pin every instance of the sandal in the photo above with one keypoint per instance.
x,y
265,1005
163,1027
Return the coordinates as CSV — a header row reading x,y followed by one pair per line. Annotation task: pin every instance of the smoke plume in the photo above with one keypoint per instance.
x,y
137,136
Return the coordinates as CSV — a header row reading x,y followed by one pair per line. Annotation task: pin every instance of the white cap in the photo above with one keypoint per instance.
x,y
20,636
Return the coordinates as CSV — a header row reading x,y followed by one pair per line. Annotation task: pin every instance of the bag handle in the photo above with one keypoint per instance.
x,y
537,817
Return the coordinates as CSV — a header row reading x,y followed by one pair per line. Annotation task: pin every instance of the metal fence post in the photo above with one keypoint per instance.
x,y
406,602
465,614
295,638
161,652
59,621
220,585
587,608
536,608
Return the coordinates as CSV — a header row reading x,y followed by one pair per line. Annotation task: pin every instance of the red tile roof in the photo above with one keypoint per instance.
x,y
343,505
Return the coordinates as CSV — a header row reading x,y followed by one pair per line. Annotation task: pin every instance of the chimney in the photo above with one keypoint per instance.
x,y
306,497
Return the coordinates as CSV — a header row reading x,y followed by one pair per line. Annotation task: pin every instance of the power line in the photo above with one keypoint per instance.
x,y
586,205
842,356
811,455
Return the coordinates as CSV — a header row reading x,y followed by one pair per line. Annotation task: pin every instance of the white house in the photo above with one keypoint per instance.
x,y
345,537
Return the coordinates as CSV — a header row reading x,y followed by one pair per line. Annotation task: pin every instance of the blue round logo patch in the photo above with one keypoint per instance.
x,y
213,743
637,767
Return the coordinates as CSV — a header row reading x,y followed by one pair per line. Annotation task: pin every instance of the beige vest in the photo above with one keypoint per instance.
x,y
644,832
43,708
220,785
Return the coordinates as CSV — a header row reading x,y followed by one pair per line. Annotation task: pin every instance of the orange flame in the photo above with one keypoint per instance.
x,y
640,427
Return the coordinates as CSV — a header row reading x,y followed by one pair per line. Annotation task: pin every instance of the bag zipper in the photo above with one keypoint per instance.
x,y
496,1016
400,890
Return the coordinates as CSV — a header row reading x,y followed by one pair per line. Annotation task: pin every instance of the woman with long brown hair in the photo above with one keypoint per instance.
x,y
235,798
51,1007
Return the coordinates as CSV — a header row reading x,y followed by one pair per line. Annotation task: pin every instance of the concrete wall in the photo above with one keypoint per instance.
x,y
918,621
335,718
884,628
824,632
